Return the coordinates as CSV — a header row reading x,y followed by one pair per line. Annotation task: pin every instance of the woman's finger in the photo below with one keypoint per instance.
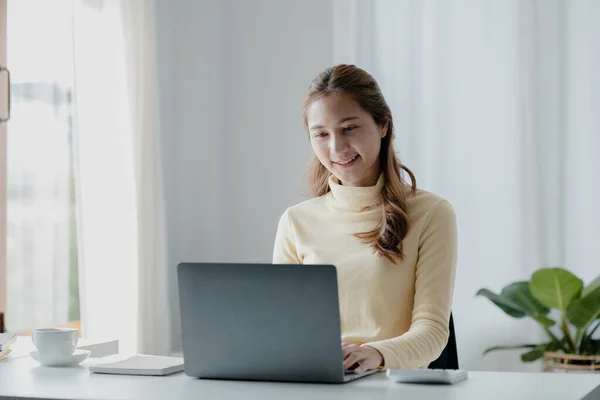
x,y
365,365
352,359
346,351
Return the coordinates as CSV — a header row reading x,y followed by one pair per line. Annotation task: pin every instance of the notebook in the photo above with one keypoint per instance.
x,y
141,364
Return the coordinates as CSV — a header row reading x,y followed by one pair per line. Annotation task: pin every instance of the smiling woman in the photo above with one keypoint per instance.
x,y
348,145
352,135
394,246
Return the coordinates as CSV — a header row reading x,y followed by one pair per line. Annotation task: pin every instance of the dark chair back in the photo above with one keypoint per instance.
x,y
449,357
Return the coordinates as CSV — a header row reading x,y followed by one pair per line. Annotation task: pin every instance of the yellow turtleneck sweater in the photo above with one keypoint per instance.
x,y
400,309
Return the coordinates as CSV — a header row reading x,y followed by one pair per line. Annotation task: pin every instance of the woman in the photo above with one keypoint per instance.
x,y
394,246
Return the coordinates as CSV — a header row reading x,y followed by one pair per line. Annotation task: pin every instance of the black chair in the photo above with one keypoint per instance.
x,y
449,357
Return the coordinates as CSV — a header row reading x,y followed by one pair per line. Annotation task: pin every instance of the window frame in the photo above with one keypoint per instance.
x,y
3,175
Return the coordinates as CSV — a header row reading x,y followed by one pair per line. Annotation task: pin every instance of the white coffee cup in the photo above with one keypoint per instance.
x,y
55,342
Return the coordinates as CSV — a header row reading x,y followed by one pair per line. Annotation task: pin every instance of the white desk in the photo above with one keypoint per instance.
x,y
24,378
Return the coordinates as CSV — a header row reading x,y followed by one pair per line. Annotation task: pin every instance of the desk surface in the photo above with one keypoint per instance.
x,y
24,378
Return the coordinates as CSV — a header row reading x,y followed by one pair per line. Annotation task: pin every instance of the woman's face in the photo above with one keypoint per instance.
x,y
346,139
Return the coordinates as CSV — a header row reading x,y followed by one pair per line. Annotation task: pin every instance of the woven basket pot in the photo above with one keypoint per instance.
x,y
561,362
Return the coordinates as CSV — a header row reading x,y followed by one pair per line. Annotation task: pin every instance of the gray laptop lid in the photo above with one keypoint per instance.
x,y
260,322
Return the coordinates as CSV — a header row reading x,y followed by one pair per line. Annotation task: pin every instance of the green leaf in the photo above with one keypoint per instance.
x,y
593,285
506,304
517,346
545,321
520,294
536,353
583,311
555,287
591,333
532,355
555,346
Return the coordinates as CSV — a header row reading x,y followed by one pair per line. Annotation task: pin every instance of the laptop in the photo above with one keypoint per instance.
x,y
264,322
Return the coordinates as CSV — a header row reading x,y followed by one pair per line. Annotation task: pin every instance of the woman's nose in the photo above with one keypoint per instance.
x,y
338,144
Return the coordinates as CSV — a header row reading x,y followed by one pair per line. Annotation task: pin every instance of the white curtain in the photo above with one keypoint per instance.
x,y
39,203
123,262
142,76
497,108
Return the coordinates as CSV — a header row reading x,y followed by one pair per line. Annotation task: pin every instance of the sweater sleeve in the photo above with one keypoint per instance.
x,y
284,251
434,289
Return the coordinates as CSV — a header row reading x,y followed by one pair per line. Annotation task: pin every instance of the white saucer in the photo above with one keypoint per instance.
x,y
67,361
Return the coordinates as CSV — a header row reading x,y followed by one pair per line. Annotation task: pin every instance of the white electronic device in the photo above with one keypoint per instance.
x,y
446,376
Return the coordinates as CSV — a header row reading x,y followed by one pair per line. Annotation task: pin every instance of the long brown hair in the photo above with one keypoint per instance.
x,y
386,238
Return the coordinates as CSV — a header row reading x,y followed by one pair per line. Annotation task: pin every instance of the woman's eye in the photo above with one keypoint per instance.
x,y
321,134
350,128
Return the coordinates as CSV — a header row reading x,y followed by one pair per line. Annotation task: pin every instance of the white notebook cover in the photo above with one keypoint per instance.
x,y
141,364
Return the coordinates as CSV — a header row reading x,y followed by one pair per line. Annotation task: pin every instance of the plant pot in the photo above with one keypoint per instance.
x,y
561,362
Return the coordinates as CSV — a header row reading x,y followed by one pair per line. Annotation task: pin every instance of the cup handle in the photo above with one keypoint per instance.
x,y
32,338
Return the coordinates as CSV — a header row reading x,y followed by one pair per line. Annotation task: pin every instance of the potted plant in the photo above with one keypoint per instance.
x,y
555,291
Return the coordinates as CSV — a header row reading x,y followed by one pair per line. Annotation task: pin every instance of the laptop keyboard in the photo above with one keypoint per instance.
x,y
349,375
351,369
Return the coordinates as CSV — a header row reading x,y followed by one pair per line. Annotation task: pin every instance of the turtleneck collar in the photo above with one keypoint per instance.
x,y
355,198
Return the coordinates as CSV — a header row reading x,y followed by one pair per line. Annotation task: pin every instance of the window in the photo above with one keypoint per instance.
x,y
41,279
3,116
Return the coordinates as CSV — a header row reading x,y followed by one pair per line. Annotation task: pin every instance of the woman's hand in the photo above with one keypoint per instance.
x,y
368,358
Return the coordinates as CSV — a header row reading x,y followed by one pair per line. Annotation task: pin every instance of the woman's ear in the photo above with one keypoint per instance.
x,y
384,130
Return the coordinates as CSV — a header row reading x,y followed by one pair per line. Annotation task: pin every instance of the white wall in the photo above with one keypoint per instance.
x,y
233,74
